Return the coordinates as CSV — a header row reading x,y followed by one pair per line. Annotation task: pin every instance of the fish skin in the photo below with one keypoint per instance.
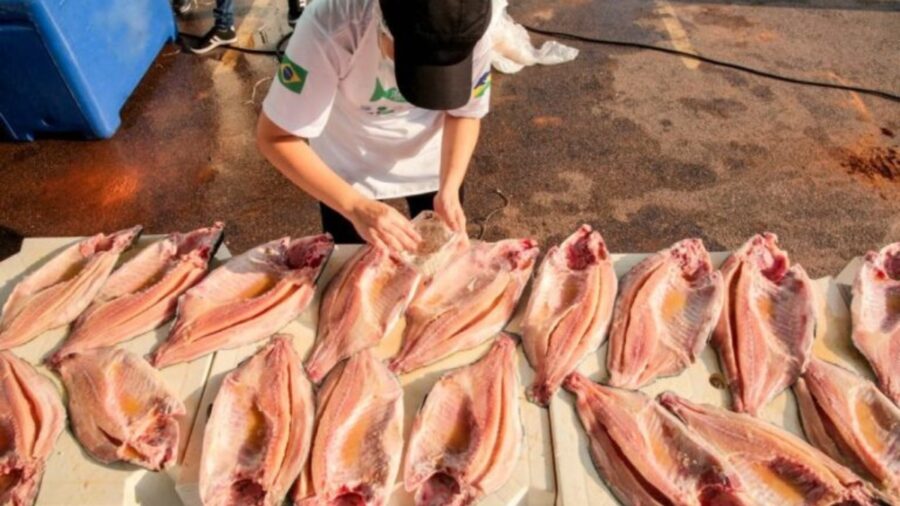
x,y
248,299
143,293
569,310
481,402
242,463
469,301
121,410
775,466
626,429
875,311
836,406
31,419
664,316
56,293
759,358
359,436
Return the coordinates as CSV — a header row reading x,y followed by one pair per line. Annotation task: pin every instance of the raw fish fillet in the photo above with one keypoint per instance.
x,y
360,306
467,437
646,455
120,408
569,310
467,302
847,417
359,436
249,298
142,294
665,313
439,246
258,435
876,316
765,332
31,419
774,466
57,292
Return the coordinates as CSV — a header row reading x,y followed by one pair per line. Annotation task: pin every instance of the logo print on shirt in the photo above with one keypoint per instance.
x,y
483,84
291,75
392,94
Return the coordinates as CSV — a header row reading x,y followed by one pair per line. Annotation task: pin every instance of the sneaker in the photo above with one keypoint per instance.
x,y
214,38
295,9
182,7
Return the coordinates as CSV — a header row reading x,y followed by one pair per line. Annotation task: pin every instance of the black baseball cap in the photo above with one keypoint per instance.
x,y
433,44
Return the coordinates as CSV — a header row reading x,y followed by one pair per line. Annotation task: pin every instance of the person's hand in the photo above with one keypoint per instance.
x,y
448,207
383,226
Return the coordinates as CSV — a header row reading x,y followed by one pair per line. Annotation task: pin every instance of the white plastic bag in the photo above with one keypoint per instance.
x,y
512,46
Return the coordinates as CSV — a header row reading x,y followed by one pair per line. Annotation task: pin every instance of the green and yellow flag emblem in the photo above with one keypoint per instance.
x,y
291,75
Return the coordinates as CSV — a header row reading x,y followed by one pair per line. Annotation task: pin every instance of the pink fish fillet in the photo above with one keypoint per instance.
x,y
766,328
248,299
646,455
120,408
31,419
359,436
143,294
665,313
569,310
848,418
467,302
258,435
58,291
876,316
467,437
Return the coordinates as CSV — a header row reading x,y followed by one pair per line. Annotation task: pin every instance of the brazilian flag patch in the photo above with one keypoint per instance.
x,y
291,75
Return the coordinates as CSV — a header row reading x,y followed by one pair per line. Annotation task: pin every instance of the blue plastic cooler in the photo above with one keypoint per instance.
x,y
67,66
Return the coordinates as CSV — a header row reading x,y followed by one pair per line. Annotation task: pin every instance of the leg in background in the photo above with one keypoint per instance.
x,y
425,202
339,227
224,13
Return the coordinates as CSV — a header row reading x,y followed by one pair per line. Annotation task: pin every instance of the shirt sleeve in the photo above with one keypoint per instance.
x,y
479,103
303,89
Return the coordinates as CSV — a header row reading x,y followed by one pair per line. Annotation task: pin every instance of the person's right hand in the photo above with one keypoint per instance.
x,y
382,225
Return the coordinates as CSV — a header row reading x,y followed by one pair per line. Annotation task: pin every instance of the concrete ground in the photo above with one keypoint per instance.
x,y
647,147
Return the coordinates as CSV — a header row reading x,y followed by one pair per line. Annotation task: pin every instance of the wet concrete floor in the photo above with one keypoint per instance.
x,y
647,147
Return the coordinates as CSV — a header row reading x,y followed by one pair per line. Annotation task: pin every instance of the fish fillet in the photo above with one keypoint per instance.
x,y
774,466
31,419
258,435
142,294
467,437
765,332
120,408
359,436
439,246
849,419
665,313
57,292
646,455
876,316
569,310
467,302
249,298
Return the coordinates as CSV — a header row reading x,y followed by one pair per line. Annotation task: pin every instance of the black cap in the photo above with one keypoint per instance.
x,y
433,43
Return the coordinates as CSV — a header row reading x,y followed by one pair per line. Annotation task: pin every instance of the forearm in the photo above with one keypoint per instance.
x,y
458,144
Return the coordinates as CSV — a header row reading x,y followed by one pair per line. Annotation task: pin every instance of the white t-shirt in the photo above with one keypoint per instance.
x,y
335,88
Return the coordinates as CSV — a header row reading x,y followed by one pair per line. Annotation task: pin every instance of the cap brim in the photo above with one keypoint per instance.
x,y
437,87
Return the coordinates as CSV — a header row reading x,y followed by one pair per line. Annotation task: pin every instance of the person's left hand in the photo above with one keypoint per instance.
x,y
448,207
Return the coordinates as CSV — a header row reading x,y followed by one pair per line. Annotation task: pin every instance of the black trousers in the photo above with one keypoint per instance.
x,y
343,232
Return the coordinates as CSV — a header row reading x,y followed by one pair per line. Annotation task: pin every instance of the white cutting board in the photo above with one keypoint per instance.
x,y
71,476
579,483
532,481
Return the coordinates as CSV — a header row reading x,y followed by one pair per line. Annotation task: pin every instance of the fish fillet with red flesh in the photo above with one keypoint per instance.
x,y
31,419
646,455
667,308
848,418
120,408
143,294
774,466
876,316
569,310
765,332
57,292
467,437
258,435
248,299
467,302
